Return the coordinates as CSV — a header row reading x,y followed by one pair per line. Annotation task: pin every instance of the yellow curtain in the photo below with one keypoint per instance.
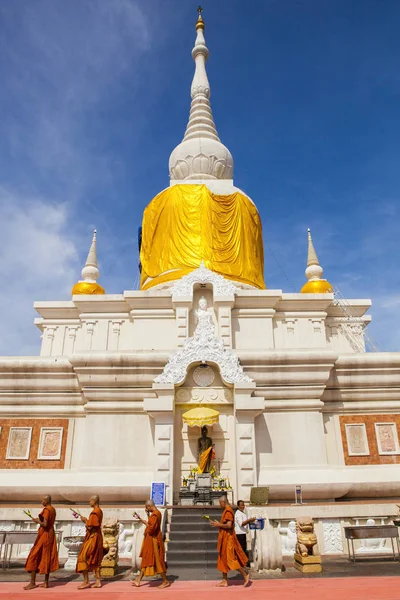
x,y
186,224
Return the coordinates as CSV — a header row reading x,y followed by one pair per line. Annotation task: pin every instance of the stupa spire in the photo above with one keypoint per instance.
x,y
312,258
201,154
314,272
90,273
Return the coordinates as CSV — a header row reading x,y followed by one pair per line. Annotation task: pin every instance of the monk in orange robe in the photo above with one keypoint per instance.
x,y
43,557
230,553
91,554
152,552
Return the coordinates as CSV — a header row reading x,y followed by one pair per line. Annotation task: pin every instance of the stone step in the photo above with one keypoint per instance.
x,y
191,526
189,545
193,534
191,509
200,560
192,519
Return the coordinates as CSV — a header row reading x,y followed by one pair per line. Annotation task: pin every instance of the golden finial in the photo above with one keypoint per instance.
x,y
200,22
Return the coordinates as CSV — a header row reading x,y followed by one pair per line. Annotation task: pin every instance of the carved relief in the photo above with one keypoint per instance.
x,y
221,286
203,396
19,443
332,533
77,530
203,347
219,168
50,443
357,441
387,438
204,376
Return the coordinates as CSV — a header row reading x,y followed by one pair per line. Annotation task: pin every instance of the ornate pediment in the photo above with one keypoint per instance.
x,y
221,286
204,347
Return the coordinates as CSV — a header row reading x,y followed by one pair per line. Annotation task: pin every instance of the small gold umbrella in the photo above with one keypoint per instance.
x,y
202,415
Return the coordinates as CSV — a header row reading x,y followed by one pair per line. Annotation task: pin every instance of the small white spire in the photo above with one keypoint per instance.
x,y
201,154
314,270
90,271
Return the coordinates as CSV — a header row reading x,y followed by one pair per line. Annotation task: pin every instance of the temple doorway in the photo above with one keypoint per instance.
x,y
203,388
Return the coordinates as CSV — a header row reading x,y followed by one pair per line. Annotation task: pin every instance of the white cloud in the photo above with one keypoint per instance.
x,y
38,261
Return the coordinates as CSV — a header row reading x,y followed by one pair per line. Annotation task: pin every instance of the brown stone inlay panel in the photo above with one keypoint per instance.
x,y
374,457
32,462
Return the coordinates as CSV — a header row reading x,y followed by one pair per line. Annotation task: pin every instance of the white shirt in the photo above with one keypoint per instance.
x,y
239,518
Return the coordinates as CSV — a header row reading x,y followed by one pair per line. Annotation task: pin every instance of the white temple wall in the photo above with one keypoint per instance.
x,y
119,441
152,334
252,329
333,440
255,319
290,439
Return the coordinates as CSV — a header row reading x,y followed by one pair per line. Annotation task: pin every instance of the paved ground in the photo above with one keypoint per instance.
x,y
369,579
332,567
356,588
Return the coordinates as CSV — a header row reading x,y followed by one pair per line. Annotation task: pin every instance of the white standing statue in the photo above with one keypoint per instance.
x,y
288,538
374,544
125,542
205,326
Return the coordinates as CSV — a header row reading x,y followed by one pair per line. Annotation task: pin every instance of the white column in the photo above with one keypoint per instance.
x,y
247,408
69,342
223,309
48,339
161,409
115,333
182,308
89,331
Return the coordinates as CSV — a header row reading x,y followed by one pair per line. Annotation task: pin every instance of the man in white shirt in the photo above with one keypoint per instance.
x,y
241,522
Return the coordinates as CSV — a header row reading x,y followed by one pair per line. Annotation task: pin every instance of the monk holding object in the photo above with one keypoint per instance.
x,y
230,554
152,552
43,557
91,553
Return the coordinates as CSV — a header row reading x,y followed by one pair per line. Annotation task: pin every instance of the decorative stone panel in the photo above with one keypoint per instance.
x,y
43,445
381,433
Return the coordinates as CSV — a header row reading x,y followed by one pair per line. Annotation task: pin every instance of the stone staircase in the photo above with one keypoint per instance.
x,y
192,544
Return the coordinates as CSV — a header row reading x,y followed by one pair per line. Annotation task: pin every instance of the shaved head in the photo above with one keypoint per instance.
x,y
94,501
46,500
223,501
150,506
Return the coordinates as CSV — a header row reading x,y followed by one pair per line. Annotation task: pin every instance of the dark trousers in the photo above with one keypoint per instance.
x,y
242,539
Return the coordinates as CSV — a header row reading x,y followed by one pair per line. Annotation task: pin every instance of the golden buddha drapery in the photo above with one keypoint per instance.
x,y
186,224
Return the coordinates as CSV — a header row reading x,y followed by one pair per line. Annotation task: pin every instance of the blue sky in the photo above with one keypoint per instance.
x,y
95,95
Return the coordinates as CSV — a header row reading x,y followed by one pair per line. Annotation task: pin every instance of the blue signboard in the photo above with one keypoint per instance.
x,y
158,493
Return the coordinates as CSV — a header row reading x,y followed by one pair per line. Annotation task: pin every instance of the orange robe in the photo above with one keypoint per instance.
x,y
91,554
230,554
43,557
152,552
